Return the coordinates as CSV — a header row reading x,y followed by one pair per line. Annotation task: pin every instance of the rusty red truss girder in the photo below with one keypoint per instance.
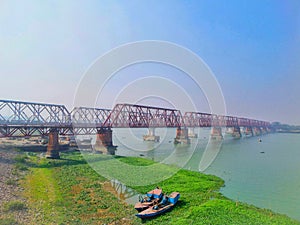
x,y
32,119
198,119
89,117
128,115
231,121
244,122
258,123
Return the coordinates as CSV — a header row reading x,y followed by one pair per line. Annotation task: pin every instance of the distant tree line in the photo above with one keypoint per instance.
x,y
279,127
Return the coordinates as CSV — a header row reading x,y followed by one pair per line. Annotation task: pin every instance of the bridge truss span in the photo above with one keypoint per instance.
x,y
198,119
139,116
32,119
89,117
25,119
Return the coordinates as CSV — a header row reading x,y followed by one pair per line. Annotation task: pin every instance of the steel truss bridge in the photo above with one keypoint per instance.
x,y
24,119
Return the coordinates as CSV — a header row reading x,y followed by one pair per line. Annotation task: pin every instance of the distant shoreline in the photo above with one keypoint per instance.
x,y
289,131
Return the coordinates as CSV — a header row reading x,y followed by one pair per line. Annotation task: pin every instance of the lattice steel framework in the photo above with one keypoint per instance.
x,y
197,119
33,119
30,119
89,117
27,113
139,116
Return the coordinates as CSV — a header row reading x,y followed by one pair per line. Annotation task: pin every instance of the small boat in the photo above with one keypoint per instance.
x,y
166,204
152,197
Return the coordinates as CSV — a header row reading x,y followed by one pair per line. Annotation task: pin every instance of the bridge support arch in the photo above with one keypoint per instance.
x,y
104,141
53,145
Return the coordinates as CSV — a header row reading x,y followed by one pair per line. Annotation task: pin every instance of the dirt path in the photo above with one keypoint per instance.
x,y
10,190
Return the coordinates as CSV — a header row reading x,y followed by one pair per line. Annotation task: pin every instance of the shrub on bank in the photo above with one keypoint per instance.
x,y
14,206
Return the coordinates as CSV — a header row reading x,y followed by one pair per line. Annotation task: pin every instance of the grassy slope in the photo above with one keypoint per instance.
x,y
43,192
69,191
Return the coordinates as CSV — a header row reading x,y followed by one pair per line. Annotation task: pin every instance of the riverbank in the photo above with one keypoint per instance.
x,y
69,191
289,131
13,206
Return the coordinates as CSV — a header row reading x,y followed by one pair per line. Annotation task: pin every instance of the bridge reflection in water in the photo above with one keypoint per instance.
x,y
121,191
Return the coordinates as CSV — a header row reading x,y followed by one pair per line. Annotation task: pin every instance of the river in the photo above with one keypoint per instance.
x,y
265,174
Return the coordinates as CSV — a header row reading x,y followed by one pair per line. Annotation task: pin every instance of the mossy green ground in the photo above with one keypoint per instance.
x,y
69,191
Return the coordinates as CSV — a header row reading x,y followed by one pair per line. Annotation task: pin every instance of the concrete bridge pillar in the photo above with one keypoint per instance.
x,y
264,130
229,130
151,135
216,133
53,145
104,141
256,131
236,132
182,136
191,132
249,131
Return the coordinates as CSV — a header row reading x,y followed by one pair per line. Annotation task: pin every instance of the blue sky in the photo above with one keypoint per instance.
x,y
253,47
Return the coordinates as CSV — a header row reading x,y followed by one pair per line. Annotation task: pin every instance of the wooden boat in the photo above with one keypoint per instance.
x,y
153,197
166,204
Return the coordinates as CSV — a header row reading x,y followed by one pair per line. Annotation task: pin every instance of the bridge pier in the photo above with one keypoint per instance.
x,y
182,136
249,131
256,131
104,142
264,130
151,135
191,132
53,145
236,133
216,133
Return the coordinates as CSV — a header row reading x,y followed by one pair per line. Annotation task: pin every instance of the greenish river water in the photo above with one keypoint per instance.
x,y
265,174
